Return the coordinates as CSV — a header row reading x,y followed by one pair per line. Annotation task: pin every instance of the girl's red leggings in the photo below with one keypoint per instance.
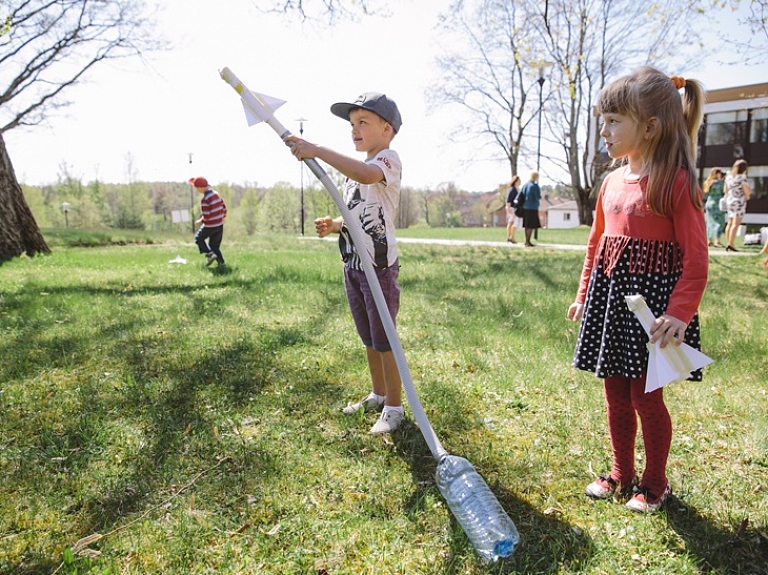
x,y
625,400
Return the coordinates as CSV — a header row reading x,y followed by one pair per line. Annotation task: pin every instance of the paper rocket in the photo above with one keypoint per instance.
x,y
273,103
668,365
258,107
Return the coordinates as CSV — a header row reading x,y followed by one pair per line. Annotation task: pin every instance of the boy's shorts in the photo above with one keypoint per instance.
x,y
363,307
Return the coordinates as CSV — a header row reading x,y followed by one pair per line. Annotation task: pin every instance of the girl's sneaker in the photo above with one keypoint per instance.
x,y
643,501
605,487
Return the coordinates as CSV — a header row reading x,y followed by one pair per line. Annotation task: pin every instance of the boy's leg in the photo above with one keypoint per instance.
x,y
376,367
215,242
200,237
392,383
393,414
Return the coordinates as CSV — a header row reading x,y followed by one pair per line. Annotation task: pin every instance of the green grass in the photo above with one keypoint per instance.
x,y
191,418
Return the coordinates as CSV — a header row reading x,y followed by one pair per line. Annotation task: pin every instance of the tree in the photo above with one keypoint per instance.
x,y
319,10
588,43
579,45
486,72
46,47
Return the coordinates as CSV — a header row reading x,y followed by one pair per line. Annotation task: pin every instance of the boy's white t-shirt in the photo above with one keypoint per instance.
x,y
375,206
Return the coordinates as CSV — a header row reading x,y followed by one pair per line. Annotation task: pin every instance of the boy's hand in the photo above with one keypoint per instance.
x,y
324,226
575,311
301,148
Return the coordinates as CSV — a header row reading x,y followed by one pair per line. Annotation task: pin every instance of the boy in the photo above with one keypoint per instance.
x,y
211,222
372,193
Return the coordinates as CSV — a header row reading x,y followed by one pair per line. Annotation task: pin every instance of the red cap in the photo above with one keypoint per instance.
x,y
199,182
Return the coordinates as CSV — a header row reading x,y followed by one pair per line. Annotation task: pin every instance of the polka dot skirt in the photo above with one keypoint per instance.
x,y
611,339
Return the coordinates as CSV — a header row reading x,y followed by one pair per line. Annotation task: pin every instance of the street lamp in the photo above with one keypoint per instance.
x,y
301,133
65,208
191,195
541,81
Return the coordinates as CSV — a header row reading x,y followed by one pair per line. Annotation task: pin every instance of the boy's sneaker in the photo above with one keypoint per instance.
x,y
605,487
368,403
643,501
388,422
210,259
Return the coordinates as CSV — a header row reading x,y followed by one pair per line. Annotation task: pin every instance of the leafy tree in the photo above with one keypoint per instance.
x,y
249,211
280,208
46,46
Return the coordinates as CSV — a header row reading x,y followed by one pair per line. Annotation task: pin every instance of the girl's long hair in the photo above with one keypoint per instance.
x,y
671,145
711,178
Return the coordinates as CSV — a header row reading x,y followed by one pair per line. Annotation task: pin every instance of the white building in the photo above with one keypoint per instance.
x,y
736,127
563,216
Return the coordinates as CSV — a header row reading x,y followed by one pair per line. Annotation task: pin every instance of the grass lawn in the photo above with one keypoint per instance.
x,y
188,420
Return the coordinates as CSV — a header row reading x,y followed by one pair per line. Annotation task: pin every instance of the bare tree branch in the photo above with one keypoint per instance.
x,y
52,44
324,11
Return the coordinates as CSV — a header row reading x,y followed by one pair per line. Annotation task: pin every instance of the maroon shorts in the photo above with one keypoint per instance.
x,y
363,307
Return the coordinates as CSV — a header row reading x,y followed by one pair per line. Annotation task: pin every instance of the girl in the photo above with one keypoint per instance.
x,y
648,238
514,189
715,217
737,194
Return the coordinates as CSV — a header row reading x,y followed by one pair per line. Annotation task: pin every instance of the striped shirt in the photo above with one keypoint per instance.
x,y
214,209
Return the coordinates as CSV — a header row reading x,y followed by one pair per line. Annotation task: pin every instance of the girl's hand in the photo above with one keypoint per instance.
x,y
575,311
668,329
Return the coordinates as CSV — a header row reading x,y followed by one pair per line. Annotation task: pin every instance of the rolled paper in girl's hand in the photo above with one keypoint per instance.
x,y
670,364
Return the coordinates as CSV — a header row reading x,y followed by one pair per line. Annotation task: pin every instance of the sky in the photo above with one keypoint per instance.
x,y
141,121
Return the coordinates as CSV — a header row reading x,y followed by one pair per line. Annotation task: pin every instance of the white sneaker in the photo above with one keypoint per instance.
x,y
210,259
388,422
368,403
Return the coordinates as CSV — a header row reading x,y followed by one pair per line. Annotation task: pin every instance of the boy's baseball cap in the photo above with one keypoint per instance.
x,y
199,182
375,102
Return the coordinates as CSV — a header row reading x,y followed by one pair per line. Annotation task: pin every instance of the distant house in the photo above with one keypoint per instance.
x,y
562,215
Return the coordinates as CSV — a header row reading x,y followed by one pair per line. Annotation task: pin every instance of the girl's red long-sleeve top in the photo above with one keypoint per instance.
x,y
623,220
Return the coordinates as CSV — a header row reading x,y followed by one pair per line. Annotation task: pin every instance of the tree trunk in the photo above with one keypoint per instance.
x,y
19,233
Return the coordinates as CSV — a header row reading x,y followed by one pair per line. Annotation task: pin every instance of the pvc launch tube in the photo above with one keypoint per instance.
x,y
263,111
488,527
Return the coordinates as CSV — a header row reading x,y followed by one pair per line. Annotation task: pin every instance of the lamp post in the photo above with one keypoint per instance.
x,y
65,209
541,81
191,196
301,134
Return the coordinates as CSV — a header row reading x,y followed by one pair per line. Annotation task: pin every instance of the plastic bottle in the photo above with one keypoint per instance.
x,y
488,527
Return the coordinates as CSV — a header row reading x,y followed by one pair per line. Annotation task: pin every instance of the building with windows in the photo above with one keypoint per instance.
x,y
736,127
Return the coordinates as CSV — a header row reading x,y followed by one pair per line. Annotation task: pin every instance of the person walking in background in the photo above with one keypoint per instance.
x,y
514,190
737,192
532,200
211,221
372,194
715,217
648,238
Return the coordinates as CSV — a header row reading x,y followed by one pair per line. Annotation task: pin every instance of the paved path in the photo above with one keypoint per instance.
x,y
539,245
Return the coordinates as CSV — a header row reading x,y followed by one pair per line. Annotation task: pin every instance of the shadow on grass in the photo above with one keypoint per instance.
x,y
547,543
745,551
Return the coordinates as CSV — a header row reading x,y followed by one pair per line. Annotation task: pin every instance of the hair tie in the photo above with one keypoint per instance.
x,y
678,81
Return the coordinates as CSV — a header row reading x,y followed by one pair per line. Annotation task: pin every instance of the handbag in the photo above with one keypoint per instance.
x,y
723,205
519,205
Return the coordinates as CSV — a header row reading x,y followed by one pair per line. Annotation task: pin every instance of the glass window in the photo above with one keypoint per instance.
x,y
759,131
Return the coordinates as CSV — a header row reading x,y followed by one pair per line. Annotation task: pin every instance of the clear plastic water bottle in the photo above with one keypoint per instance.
x,y
488,527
